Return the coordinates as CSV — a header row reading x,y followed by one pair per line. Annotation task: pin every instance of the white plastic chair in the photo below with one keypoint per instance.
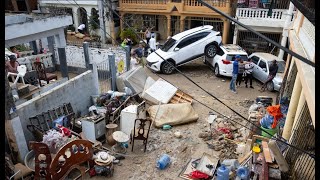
x,y
22,70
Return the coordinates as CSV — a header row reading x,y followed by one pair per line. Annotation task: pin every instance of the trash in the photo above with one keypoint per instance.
x,y
119,157
256,148
116,161
178,134
203,135
163,162
265,100
223,80
166,127
203,96
223,173
232,164
242,172
128,91
198,175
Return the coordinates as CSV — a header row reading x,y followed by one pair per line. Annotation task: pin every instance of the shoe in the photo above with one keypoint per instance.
x,y
251,87
235,92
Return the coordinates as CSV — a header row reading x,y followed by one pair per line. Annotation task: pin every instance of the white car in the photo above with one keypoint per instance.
x,y
184,47
222,62
262,62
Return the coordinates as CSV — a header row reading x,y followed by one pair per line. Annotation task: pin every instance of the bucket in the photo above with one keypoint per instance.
x,y
270,131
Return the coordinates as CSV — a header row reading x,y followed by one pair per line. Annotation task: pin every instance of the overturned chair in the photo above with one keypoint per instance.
x,y
140,131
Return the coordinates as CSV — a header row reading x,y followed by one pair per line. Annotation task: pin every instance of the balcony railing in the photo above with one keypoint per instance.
x,y
250,13
144,1
307,8
216,3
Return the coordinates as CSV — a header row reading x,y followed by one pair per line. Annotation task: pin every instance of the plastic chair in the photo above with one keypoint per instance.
x,y
22,70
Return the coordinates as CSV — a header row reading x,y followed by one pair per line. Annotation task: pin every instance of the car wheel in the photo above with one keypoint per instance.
x,y
211,51
270,86
167,67
216,70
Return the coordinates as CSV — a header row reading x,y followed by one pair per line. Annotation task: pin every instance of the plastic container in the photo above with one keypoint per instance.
x,y
163,162
166,127
231,163
223,173
243,173
271,131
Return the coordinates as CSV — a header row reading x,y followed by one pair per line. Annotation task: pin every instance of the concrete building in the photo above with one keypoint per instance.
x,y
83,13
169,17
299,86
254,14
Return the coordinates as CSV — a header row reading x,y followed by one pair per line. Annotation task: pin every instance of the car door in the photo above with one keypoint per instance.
x,y
263,70
199,43
255,71
181,50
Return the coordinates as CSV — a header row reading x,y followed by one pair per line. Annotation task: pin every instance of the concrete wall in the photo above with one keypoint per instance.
x,y
77,91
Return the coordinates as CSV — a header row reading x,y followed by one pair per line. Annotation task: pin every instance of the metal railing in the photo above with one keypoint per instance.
x,y
302,166
104,76
277,14
144,1
278,4
216,3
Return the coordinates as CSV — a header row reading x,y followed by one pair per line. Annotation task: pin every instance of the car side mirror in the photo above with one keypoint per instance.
x,y
176,49
264,69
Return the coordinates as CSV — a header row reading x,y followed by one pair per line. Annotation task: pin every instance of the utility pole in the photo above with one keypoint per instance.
x,y
102,22
285,32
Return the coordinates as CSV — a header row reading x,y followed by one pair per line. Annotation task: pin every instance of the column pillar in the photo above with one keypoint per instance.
x,y
294,101
302,101
51,49
61,44
226,28
235,35
182,23
75,18
168,25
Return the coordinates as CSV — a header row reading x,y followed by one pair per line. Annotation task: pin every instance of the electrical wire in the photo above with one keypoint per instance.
x,y
277,139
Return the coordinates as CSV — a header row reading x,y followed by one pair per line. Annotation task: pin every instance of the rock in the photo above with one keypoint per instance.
x,y
223,80
178,134
203,135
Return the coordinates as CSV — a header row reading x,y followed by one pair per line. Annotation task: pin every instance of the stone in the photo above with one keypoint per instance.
x,y
203,135
178,134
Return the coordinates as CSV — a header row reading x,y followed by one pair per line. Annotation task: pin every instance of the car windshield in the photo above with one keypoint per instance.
x,y
231,57
281,66
168,44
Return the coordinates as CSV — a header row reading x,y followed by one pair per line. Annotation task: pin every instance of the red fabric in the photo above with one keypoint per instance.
x,y
226,131
92,172
275,111
65,131
199,175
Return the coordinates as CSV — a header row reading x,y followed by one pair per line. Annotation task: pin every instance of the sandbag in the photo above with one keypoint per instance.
x,y
172,114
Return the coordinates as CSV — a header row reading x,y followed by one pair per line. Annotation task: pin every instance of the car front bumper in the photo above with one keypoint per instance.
x,y
155,67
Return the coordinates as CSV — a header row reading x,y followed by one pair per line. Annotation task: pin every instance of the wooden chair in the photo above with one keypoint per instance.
x,y
73,154
140,131
42,75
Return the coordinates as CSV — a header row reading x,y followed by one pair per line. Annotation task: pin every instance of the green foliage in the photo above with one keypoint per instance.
x,y
94,22
22,47
129,33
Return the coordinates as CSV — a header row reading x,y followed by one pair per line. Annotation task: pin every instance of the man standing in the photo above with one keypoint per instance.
x,y
248,70
273,69
152,44
81,28
138,53
148,34
234,74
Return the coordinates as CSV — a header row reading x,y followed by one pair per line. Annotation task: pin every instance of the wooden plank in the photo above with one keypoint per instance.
x,y
266,152
283,165
265,170
242,159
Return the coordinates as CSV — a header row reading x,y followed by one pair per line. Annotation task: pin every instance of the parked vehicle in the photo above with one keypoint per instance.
x,y
262,62
222,62
185,47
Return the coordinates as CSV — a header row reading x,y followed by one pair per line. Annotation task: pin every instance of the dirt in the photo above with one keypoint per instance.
x,y
140,165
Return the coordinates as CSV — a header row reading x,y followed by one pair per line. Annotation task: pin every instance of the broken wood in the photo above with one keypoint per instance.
x,y
257,137
181,97
283,165
245,157
265,170
266,152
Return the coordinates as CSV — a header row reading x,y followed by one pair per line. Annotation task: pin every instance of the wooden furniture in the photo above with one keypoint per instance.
x,y
69,157
42,75
140,132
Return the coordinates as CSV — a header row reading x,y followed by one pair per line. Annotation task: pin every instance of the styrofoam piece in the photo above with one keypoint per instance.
x,y
147,85
120,82
160,91
137,79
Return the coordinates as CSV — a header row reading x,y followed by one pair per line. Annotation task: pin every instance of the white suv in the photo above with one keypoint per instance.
x,y
222,62
184,47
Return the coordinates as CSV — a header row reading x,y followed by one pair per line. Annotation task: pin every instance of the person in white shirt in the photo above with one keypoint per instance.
x,y
152,44
248,71
81,28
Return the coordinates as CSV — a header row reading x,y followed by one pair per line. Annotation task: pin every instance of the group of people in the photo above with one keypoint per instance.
x,y
243,70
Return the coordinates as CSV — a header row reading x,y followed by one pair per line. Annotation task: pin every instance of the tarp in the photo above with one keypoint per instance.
x,y
172,114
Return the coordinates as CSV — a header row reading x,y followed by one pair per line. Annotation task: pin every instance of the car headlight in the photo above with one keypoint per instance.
x,y
151,63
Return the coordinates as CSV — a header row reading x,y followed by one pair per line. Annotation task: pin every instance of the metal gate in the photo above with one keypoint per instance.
x,y
253,43
104,76
191,22
301,165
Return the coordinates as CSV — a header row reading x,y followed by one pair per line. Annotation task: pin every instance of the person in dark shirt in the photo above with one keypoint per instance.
x,y
273,69
235,73
138,53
